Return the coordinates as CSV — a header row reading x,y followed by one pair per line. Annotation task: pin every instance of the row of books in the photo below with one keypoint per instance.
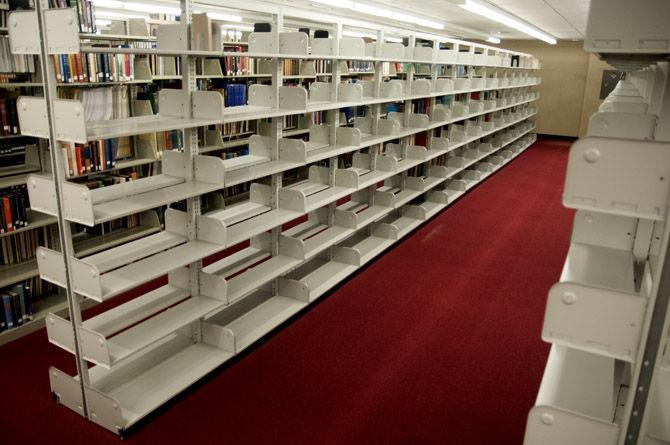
x,y
235,152
421,106
13,151
108,178
21,247
169,140
238,65
17,301
3,15
82,68
82,232
17,306
234,94
85,12
159,65
93,157
235,128
9,117
357,66
323,66
13,205
11,63
102,103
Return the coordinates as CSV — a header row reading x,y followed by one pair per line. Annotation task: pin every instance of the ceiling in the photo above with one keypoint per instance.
x,y
564,19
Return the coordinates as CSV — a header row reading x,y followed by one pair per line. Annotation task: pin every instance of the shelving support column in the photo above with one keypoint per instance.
x,y
276,131
193,205
64,229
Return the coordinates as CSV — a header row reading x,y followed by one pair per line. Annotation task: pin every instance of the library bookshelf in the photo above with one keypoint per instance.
x,y
366,162
607,319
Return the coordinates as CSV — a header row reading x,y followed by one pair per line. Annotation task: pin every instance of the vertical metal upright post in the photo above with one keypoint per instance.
x,y
193,205
64,229
276,127
334,119
434,75
651,344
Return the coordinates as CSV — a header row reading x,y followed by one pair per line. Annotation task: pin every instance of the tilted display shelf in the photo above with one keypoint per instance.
x,y
619,176
179,362
600,281
239,274
109,273
144,349
246,219
578,398
177,110
93,206
118,334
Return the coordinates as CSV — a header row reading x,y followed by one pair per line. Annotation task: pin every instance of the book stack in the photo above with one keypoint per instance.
x,y
99,104
421,106
234,94
323,66
235,128
318,117
85,12
9,118
78,68
169,140
4,12
13,205
235,152
21,246
10,63
95,156
291,67
17,306
82,232
237,65
358,66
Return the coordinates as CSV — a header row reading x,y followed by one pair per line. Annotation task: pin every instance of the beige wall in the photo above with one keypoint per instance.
x,y
570,85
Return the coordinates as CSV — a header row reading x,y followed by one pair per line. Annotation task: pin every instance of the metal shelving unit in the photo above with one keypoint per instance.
x,y
149,349
606,378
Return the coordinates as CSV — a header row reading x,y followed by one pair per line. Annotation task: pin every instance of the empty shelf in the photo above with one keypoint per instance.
x,y
141,386
116,128
262,319
150,331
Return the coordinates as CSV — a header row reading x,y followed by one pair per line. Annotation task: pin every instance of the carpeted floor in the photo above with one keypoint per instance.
x,y
436,342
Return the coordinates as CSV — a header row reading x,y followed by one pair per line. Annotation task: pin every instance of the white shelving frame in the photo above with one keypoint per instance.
x,y
206,315
606,379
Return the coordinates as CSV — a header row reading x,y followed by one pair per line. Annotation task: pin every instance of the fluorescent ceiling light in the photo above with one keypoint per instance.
x,y
137,7
337,3
348,33
492,14
493,39
240,27
381,12
224,17
102,22
118,15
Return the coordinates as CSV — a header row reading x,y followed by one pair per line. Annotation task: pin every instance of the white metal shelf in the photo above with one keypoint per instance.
x,y
154,346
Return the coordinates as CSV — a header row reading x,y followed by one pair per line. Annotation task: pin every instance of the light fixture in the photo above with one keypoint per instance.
x,y
136,7
493,39
238,27
224,17
492,14
381,12
115,15
347,4
102,22
349,33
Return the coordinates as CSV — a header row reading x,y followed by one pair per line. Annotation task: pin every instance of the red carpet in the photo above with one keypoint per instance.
x,y
436,342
